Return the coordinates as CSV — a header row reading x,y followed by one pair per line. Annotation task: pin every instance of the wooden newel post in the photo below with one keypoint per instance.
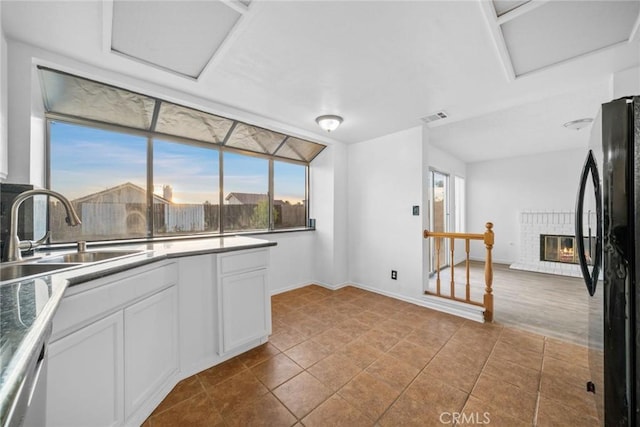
x,y
488,274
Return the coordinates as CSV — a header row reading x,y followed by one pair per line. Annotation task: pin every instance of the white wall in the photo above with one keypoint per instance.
x,y
498,189
292,260
445,162
26,129
385,177
4,154
328,206
626,83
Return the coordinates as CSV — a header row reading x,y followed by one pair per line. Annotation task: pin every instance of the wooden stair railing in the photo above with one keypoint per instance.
x,y
488,238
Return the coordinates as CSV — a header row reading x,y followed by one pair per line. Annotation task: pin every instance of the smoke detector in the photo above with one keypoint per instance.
x,y
435,116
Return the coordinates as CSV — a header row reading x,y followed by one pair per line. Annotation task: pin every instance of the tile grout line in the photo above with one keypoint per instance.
x,y
418,374
483,366
398,316
539,391
334,393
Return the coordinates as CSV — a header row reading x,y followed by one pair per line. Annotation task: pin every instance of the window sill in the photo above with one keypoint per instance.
x,y
102,243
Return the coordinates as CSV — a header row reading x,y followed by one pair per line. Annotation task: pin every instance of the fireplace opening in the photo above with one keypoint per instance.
x,y
556,248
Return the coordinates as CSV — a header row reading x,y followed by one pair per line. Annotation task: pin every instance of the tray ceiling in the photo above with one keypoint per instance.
x,y
169,35
534,35
382,65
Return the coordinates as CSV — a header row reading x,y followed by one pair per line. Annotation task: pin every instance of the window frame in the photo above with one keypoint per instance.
x,y
220,148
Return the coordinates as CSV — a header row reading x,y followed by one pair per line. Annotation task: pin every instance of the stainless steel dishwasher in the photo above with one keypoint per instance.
x,y
28,409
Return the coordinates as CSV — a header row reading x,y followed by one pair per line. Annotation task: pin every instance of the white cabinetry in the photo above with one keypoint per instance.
x,y
150,347
113,355
120,343
85,378
198,332
243,300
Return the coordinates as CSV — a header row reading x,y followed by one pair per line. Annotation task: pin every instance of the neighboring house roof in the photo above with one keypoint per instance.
x,y
251,198
129,187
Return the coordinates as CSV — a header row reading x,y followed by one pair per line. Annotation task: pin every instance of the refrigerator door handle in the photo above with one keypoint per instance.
x,y
590,277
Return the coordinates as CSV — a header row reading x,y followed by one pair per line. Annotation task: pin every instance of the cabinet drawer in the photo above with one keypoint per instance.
x,y
238,262
84,307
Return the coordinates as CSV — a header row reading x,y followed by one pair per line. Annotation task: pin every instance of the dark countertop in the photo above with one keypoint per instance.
x,y
27,306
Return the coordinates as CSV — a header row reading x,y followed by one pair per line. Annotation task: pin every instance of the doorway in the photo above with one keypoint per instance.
x,y
439,216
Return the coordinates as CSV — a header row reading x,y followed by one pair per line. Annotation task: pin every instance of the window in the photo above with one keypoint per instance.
x,y
290,195
459,204
246,189
138,166
103,173
185,188
439,216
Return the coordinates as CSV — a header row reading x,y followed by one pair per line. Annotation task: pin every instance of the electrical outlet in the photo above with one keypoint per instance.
x,y
394,275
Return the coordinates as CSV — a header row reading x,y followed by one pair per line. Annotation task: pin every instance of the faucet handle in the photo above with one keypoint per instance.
x,y
27,245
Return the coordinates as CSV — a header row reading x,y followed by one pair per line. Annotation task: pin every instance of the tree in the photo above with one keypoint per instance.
x,y
260,217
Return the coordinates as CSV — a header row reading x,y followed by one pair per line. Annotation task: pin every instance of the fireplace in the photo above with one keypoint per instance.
x,y
562,248
531,253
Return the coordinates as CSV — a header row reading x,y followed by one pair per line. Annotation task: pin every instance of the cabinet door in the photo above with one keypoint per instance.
x,y
150,346
243,309
196,297
85,376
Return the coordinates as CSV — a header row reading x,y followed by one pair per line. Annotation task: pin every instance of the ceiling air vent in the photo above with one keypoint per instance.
x,y
435,116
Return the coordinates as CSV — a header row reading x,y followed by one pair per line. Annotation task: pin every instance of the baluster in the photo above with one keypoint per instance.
x,y
453,284
468,264
488,274
438,266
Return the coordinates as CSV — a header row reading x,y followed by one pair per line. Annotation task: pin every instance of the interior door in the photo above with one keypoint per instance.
x,y
439,217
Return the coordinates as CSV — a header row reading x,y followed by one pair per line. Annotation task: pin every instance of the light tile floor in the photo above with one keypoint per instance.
x,y
356,358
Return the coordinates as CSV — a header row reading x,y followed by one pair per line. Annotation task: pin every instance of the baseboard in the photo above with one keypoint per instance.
x,y
302,285
331,287
467,311
289,288
495,261
139,415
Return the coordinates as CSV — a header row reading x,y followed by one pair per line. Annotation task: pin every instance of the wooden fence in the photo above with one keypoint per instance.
x,y
102,221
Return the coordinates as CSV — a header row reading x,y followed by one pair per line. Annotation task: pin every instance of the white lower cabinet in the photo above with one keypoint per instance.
x,y
243,313
85,377
120,343
243,300
150,347
115,370
198,333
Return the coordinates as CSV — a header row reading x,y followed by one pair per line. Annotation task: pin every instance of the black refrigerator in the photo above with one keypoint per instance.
x,y
610,188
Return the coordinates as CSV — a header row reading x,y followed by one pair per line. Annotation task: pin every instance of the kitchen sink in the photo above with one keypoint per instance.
x,y
16,271
88,256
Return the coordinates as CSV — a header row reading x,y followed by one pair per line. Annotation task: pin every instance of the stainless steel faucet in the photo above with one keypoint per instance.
x,y
15,245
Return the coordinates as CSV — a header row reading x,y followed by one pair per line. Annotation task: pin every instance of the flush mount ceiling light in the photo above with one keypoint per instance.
x,y
578,124
329,122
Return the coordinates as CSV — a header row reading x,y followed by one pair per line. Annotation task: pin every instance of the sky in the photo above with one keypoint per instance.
x,y
87,160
